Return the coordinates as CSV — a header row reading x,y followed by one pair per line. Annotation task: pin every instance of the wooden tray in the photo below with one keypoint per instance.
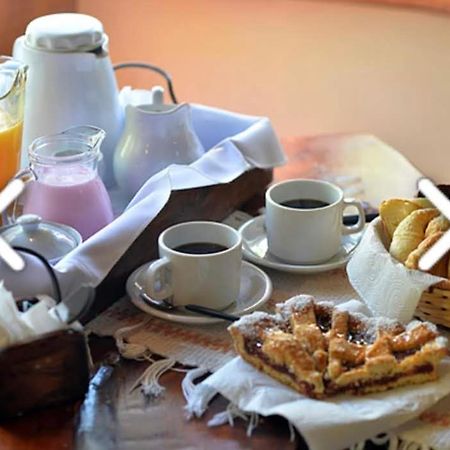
x,y
54,369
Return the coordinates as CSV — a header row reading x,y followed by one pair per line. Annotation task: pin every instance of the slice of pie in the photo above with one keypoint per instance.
x,y
319,350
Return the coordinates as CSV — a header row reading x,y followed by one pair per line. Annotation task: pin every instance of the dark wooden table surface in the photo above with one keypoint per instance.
x,y
112,417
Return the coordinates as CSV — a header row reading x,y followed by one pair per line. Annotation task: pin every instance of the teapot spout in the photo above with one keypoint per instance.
x,y
92,135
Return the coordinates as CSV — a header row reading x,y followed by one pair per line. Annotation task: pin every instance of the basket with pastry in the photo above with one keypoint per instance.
x,y
411,227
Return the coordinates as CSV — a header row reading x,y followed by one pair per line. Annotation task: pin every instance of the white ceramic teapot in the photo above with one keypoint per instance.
x,y
71,81
155,136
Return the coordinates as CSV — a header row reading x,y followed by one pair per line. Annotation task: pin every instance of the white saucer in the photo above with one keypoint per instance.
x,y
254,247
255,290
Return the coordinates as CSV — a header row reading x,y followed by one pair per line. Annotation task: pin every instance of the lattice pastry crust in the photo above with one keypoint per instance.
x,y
320,350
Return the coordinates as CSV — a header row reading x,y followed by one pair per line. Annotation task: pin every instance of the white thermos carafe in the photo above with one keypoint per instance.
x,y
70,81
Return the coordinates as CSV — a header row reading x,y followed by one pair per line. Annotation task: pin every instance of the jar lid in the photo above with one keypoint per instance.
x,y
66,32
50,239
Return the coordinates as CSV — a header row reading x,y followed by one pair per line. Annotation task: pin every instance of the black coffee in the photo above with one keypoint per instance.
x,y
200,248
304,203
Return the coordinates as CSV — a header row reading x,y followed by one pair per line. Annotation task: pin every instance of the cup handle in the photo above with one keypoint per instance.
x,y
350,229
158,282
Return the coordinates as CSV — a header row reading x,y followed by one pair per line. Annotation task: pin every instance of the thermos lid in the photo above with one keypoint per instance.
x,y
52,240
66,32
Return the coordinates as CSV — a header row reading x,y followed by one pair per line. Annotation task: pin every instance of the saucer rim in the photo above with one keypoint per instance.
x,y
291,267
188,319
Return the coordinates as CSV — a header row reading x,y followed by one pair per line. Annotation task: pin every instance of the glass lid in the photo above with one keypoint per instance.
x,y
52,240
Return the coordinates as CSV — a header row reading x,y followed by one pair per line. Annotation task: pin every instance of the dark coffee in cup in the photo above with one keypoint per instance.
x,y
304,220
199,262
304,203
200,248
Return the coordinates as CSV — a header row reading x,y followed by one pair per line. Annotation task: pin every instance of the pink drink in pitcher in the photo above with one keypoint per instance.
x,y
66,187
74,196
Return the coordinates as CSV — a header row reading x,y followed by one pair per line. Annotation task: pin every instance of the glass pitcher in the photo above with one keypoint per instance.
x,y
65,186
13,76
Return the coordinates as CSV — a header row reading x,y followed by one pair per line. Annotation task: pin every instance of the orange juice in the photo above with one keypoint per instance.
x,y
10,143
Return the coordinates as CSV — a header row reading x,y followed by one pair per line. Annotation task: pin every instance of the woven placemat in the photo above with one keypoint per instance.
x,y
207,346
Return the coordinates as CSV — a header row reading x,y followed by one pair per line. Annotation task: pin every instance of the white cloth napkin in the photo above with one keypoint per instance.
x,y
236,143
385,285
335,423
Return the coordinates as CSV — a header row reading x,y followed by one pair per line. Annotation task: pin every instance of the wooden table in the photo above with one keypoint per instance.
x,y
112,418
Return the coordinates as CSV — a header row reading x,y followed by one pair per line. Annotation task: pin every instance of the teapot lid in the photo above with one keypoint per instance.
x,y
52,240
66,32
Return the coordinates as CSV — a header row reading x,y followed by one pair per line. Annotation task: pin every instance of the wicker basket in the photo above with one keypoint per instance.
x,y
434,306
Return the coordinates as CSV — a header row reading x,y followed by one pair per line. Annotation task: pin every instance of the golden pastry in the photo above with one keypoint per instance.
x,y
412,261
393,211
422,202
439,223
410,233
413,235
320,351
440,269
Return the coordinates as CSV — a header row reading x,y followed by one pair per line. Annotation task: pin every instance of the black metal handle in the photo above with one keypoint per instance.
x,y
143,65
24,303
48,266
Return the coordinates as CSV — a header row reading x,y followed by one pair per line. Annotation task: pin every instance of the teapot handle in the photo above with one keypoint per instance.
x,y
142,65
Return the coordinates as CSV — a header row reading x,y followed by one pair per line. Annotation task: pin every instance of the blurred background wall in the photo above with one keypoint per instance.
x,y
311,66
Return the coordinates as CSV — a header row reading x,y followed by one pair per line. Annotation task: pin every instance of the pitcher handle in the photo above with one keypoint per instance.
x,y
143,65
25,176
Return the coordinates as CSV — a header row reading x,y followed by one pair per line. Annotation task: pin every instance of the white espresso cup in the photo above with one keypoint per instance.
x,y
308,229
200,263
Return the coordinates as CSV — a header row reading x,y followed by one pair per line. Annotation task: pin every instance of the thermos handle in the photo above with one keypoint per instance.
x,y
142,65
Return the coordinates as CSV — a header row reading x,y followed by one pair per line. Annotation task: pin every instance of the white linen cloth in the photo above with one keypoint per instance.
x,y
331,424
386,285
236,143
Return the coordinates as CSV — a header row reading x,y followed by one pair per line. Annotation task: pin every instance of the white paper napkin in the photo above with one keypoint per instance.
x,y
385,285
16,326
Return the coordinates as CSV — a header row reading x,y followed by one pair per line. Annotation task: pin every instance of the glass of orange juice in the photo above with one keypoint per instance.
x,y
12,94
